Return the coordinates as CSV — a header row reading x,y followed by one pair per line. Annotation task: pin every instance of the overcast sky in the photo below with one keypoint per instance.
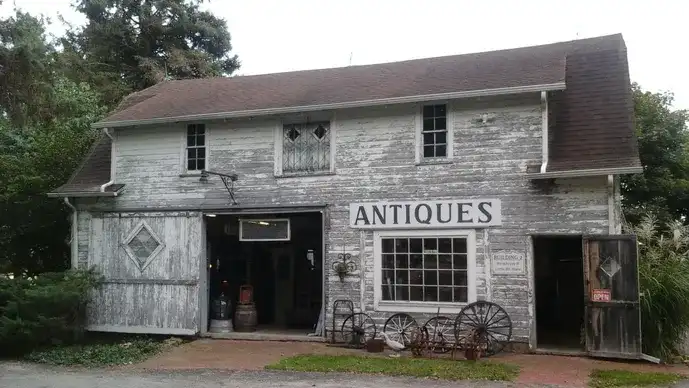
x,y
282,35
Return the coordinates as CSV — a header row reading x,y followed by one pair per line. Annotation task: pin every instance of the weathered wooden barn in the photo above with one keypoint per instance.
x,y
406,187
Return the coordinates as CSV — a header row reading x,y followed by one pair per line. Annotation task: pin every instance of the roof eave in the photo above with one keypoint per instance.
x,y
585,173
337,105
84,194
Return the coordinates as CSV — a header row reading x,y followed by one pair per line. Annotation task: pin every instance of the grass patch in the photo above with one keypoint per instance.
x,y
104,352
623,378
416,367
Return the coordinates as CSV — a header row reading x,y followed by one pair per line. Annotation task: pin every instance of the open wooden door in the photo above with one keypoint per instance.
x,y
611,282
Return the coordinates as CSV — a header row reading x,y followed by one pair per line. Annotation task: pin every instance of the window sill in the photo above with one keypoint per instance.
x,y
190,175
432,162
304,174
420,307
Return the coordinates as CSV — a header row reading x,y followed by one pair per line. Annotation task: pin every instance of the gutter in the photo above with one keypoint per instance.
x,y
612,225
588,172
84,194
74,240
335,105
544,129
112,178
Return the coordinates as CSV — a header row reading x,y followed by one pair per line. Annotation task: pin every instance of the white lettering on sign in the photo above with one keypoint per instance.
x,y
508,263
426,214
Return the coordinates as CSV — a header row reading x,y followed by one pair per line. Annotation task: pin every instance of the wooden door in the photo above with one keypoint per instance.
x,y
611,282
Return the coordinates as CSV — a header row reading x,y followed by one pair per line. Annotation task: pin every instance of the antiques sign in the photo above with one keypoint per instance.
x,y
601,295
508,263
473,213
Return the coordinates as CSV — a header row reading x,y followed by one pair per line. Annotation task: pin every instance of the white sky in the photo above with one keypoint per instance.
x,y
282,35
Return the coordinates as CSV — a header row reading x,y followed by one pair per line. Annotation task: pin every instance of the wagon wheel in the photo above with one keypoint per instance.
x,y
440,334
490,322
358,328
399,327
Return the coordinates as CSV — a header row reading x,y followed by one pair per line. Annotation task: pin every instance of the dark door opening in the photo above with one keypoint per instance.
x,y
559,283
286,275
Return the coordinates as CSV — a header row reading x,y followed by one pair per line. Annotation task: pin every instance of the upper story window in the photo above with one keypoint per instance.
x,y
306,147
196,147
434,133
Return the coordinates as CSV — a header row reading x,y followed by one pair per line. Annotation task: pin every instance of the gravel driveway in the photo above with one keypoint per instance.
x,y
21,375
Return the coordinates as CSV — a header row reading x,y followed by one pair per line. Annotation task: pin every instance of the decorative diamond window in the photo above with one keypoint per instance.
x,y
306,147
610,266
142,245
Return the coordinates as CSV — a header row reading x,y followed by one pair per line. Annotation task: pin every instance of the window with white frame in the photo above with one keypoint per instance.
x,y
434,131
426,266
196,147
306,147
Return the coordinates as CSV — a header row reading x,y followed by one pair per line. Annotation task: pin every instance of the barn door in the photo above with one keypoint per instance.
x,y
611,281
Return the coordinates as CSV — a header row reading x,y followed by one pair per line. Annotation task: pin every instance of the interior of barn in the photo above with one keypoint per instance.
x,y
280,257
559,283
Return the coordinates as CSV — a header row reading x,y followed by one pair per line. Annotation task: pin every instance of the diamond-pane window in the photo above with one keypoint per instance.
x,y
292,134
142,245
320,132
610,266
306,147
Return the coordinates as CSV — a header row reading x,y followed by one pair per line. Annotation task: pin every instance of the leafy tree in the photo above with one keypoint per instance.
x,y
663,188
128,45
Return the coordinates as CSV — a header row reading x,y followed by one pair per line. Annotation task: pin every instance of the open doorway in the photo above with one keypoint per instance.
x,y
559,282
280,256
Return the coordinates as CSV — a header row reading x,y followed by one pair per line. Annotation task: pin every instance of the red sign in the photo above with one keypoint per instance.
x,y
601,295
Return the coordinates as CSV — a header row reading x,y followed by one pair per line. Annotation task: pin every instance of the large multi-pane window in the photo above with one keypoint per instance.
x,y
196,147
425,269
434,131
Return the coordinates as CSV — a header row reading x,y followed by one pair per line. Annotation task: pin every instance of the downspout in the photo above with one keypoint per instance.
x,y
544,129
112,178
73,241
612,223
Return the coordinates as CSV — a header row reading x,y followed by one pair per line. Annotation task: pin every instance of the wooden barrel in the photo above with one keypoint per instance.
x,y
245,318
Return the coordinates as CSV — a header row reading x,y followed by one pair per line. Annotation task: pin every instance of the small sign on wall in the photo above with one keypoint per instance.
x,y
508,263
601,295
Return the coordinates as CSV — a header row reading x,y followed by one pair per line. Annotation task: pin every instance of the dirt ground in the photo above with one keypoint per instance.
x,y
255,355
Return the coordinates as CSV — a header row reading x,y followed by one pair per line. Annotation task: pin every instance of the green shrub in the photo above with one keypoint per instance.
x,y
664,286
47,309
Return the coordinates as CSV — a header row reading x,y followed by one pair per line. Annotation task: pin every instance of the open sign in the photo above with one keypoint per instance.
x,y
601,295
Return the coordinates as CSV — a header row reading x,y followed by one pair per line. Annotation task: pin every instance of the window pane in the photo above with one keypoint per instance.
x,y
440,123
430,244
387,294
459,245
460,294
191,141
441,137
402,277
262,229
201,153
416,293
416,261
440,150
428,138
200,129
428,151
388,261
445,261
388,276
401,245
416,277
460,278
415,245
445,294
440,110
387,245
430,278
191,153
191,130
430,294
444,245
402,260
191,164
428,111
430,261
402,293
200,140
200,164
428,124
445,278
460,261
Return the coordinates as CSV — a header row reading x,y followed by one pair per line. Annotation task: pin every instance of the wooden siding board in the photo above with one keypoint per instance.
x,y
375,161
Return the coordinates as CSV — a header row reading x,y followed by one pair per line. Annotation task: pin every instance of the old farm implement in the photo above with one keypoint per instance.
x,y
480,329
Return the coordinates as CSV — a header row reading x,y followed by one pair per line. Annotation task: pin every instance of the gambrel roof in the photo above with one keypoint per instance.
x,y
588,83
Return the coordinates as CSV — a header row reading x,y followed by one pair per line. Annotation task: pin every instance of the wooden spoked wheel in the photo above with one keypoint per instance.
x,y
441,337
400,327
488,323
358,328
